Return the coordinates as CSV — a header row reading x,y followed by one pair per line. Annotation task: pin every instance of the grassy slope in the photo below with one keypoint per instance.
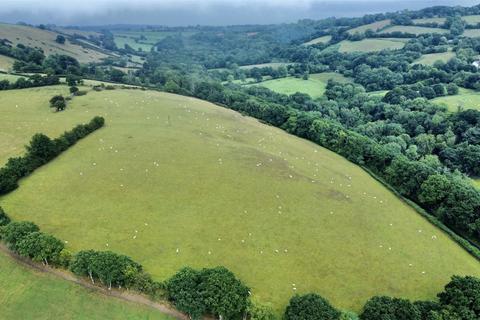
x,y
474,19
431,58
371,45
413,29
314,86
9,77
45,40
28,294
429,20
274,65
185,173
323,39
467,99
6,63
372,26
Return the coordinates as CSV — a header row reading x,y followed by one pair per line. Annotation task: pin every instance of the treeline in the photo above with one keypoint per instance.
x,y
30,82
216,292
41,150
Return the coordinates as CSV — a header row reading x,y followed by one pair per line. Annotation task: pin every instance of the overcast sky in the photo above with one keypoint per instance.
x,y
189,12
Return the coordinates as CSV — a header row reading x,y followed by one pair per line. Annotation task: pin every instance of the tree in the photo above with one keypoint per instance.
x,y
310,307
462,296
257,311
41,149
386,308
41,247
14,232
58,102
73,90
183,292
60,39
222,293
4,219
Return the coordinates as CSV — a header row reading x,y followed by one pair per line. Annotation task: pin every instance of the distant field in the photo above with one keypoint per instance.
x,y
372,26
476,182
71,32
9,77
323,39
471,19
205,186
431,58
380,93
371,45
429,20
314,86
413,30
133,38
6,63
274,65
467,99
472,33
45,40
29,294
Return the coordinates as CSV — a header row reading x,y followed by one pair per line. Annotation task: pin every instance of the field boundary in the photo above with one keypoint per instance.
x,y
119,294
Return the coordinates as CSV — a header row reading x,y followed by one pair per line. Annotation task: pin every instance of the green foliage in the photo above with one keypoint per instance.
x,y
41,247
209,291
386,308
258,311
462,297
4,219
310,307
14,232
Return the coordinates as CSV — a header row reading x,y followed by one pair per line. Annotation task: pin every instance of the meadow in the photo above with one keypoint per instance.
x,y
133,38
431,58
318,40
315,86
471,33
29,294
274,65
413,29
429,20
9,77
473,19
371,45
466,99
375,26
44,39
6,63
174,181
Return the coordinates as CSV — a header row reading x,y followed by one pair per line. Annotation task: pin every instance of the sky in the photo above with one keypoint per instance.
x,y
203,12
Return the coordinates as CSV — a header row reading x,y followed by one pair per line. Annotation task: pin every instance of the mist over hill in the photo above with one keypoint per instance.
x,y
207,12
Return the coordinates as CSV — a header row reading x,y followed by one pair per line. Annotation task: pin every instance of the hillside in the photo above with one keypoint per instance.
x,y
174,181
45,40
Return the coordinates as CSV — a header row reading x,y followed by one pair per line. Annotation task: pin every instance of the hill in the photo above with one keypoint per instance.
x,y
45,40
174,181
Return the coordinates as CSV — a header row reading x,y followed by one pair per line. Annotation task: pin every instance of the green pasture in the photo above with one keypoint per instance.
x,y
9,77
274,65
371,45
314,86
413,29
465,99
375,26
431,58
318,40
473,19
472,33
429,20
174,181
6,63
29,294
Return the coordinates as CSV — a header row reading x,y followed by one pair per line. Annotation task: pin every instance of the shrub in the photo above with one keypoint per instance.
x,y
310,307
14,232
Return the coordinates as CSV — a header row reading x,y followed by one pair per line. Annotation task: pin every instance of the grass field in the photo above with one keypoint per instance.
x,y
371,45
323,39
45,40
414,30
29,294
372,26
431,58
9,77
132,38
6,63
274,65
429,20
466,99
221,189
474,19
472,33
314,86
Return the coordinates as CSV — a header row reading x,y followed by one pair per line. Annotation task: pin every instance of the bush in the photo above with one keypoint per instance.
x,y
4,219
14,232
310,307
